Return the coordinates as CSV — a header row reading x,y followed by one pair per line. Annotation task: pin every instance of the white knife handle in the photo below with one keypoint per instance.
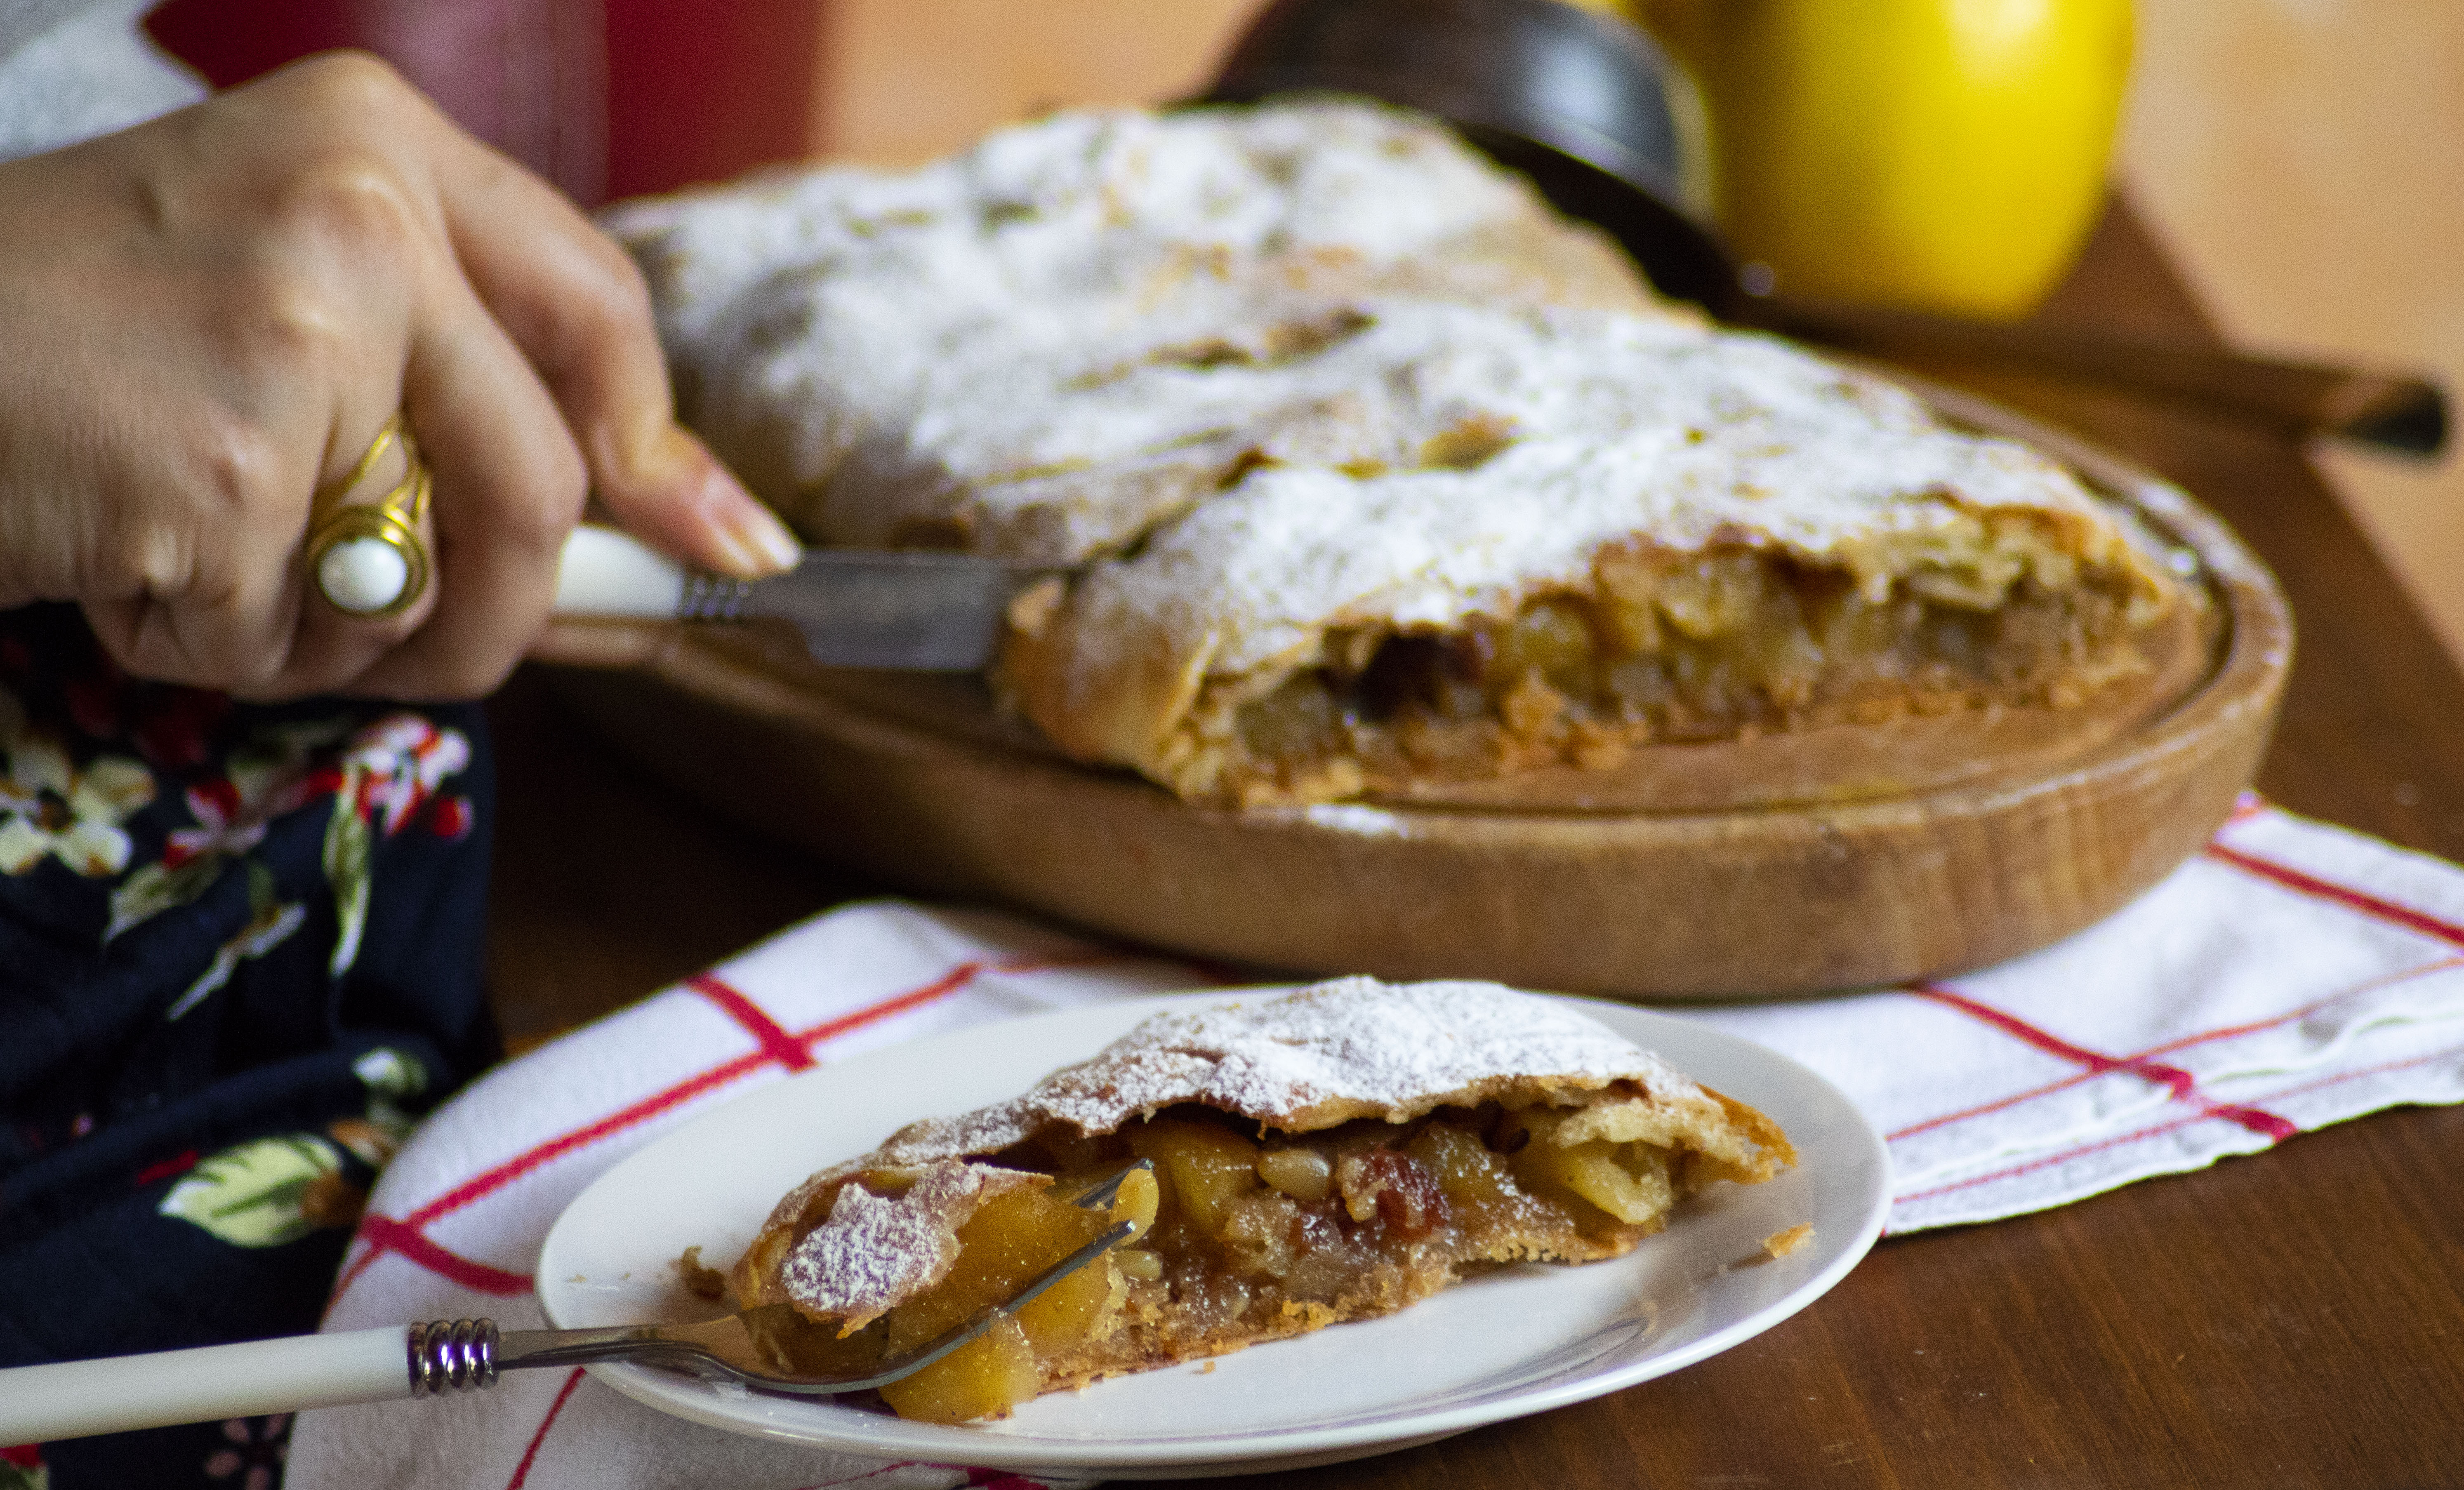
x,y
74,1398
604,571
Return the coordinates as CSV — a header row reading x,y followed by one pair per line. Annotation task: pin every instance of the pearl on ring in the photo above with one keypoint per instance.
x,y
369,560
362,575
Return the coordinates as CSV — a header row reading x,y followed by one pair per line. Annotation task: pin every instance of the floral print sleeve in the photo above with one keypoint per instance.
x,y
239,954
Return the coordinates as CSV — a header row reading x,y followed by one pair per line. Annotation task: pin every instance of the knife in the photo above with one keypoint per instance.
x,y
910,609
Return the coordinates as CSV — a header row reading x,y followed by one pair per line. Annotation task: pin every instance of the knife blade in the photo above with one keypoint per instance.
x,y
917,610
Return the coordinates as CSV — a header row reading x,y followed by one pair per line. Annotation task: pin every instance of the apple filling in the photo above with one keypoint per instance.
x,y
1242,1238
1728,643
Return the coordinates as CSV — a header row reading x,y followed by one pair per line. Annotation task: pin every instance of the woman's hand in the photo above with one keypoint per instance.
x,y
206,319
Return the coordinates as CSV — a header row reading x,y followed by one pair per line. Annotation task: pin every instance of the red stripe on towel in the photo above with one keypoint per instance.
x,y
2253,1027
2180,1082
554,1147
522,1471
2341,1077
384,1234
388,1235
523,1163
782,1047
2184,1042
2311,884
692,1086
2159,1130
660,1101
2049,1160
942,987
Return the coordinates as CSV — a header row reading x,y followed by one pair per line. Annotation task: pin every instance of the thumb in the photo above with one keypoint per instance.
x,y
667,490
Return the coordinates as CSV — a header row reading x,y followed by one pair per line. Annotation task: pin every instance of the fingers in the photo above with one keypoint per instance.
x,y
576,306
509,486
680,499
187,598
244,340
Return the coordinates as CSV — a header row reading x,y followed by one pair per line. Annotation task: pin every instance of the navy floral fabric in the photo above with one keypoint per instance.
x,y
239,954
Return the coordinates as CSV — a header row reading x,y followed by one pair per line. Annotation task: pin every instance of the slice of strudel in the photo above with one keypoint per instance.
x,y
1377,478
1336,1154
1618,531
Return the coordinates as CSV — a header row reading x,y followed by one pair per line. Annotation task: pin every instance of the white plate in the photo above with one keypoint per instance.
x,y
1503,1345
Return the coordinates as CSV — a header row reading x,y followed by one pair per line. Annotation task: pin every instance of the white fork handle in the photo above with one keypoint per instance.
x,y
73,1398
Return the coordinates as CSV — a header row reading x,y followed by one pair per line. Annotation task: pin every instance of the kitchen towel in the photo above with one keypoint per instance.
x,y
2290,976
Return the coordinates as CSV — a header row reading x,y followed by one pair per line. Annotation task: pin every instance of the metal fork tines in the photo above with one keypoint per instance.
x,y
468,1354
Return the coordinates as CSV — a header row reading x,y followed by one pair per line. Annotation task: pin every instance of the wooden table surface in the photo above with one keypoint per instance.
x,y
2290,1319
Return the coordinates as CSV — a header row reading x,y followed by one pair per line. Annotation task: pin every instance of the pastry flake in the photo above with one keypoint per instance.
x,y
1333,1154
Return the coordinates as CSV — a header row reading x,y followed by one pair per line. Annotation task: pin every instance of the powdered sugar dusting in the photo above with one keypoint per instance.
x,y
874,1250
1075,329
1351,1047
1357,1040
1053,331
1356,818
1618,426
1058,205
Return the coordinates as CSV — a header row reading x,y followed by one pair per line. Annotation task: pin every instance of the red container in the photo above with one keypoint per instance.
x,y
605,98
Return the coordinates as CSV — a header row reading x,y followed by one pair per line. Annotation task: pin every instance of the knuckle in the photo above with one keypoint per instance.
x,y
159,558
343,241
238,473
542,509
285,327
617,288
348,198
353,86
604,307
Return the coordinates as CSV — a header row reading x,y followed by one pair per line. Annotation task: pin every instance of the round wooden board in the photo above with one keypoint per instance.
x,y
916,782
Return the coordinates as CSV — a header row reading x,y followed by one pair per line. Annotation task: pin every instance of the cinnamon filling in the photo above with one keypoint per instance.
x,y
1728,643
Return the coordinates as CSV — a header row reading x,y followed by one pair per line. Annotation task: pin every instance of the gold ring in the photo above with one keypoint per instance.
x,y
368,559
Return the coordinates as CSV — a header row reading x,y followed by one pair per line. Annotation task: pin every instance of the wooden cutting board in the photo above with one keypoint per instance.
x,y
1941,849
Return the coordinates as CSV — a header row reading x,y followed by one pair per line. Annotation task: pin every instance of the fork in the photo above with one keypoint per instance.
x,y
70,1399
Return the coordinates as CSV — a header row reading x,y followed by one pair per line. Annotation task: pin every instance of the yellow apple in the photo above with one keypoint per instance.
x,y
1944,154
